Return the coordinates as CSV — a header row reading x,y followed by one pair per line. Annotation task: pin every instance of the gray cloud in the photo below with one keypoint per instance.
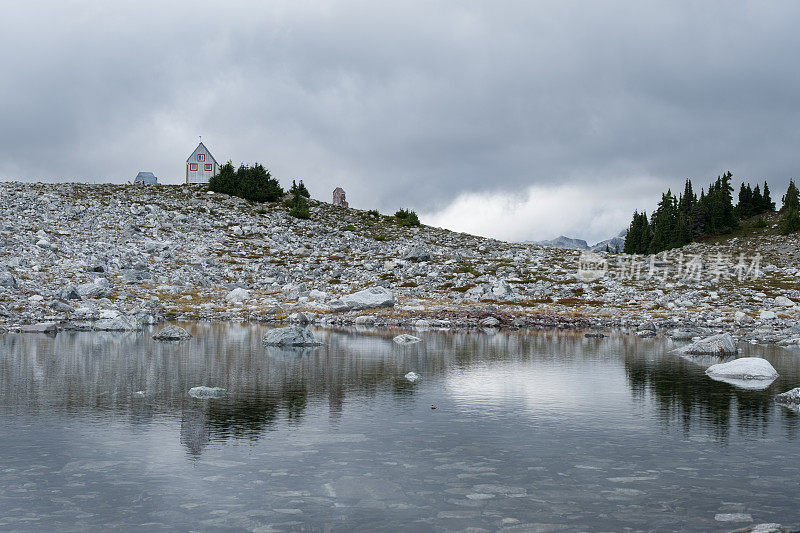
x,y
414,103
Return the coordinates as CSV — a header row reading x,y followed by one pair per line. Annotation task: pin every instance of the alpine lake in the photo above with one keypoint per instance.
x,y
518,431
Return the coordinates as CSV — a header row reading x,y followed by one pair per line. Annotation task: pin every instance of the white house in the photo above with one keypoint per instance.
x,y
201,165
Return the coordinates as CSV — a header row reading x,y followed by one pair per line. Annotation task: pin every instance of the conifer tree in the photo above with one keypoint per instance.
x,y
767,203
758,201
791,200
790,222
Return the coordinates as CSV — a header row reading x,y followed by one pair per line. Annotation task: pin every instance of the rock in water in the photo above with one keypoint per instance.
x,y
290,336
490,322
783,301
412,376
43,327
369,298
418,253
715,345
405,338
172,333
207,392
747,372
792,397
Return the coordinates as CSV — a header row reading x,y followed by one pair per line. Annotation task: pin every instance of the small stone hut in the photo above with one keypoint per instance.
x,y
145,178
339,197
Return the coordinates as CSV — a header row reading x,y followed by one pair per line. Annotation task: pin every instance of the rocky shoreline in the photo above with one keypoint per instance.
x,y
119,257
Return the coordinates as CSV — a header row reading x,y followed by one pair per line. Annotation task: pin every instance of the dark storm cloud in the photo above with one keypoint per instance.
x,y
406,103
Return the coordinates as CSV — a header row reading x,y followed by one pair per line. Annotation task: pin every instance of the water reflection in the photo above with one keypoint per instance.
x,y
686,396
102,374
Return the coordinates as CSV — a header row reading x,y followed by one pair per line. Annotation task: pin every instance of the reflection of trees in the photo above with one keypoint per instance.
x,y
685,395
99,373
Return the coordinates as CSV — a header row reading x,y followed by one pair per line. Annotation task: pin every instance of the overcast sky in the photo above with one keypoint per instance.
x,y
517,120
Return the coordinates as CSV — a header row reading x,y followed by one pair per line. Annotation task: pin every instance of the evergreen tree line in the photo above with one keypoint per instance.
x,y
678,221
251,183
790,222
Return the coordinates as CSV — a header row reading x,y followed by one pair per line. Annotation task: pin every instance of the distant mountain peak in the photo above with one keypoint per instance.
x,y
614,243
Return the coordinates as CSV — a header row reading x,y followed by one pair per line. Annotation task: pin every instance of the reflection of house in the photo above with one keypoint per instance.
x,y
201,165
145,178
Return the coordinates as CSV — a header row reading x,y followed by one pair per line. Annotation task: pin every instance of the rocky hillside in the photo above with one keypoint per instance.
x,y
113,257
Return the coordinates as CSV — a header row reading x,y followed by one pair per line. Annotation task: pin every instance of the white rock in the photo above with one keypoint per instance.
x,y
238,295
207,392
742,318
405,338
723,344
767,315
108,314
412,376
290,336
783,301
317,295
369,298
747,372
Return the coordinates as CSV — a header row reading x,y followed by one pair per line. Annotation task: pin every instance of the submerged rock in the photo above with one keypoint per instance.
x,y
715,345
207,392
412,377
290,336
752,373
405,338
792,397
172,333
369,298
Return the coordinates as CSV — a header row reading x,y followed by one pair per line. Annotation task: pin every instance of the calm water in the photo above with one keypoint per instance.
x,y
538,432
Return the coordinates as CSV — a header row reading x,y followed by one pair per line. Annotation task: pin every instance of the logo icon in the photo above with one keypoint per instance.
x,y
591,266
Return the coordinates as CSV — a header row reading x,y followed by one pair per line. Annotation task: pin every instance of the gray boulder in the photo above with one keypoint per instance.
x,y
791,397
99,288
42,327
405,338
723,344
490,322
369,298
365,320
418,253
172,333
7,280
290,336
70,292
119,323
301,318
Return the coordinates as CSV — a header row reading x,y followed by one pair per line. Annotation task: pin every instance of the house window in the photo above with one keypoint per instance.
x,y
207,167
201,157
193,167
